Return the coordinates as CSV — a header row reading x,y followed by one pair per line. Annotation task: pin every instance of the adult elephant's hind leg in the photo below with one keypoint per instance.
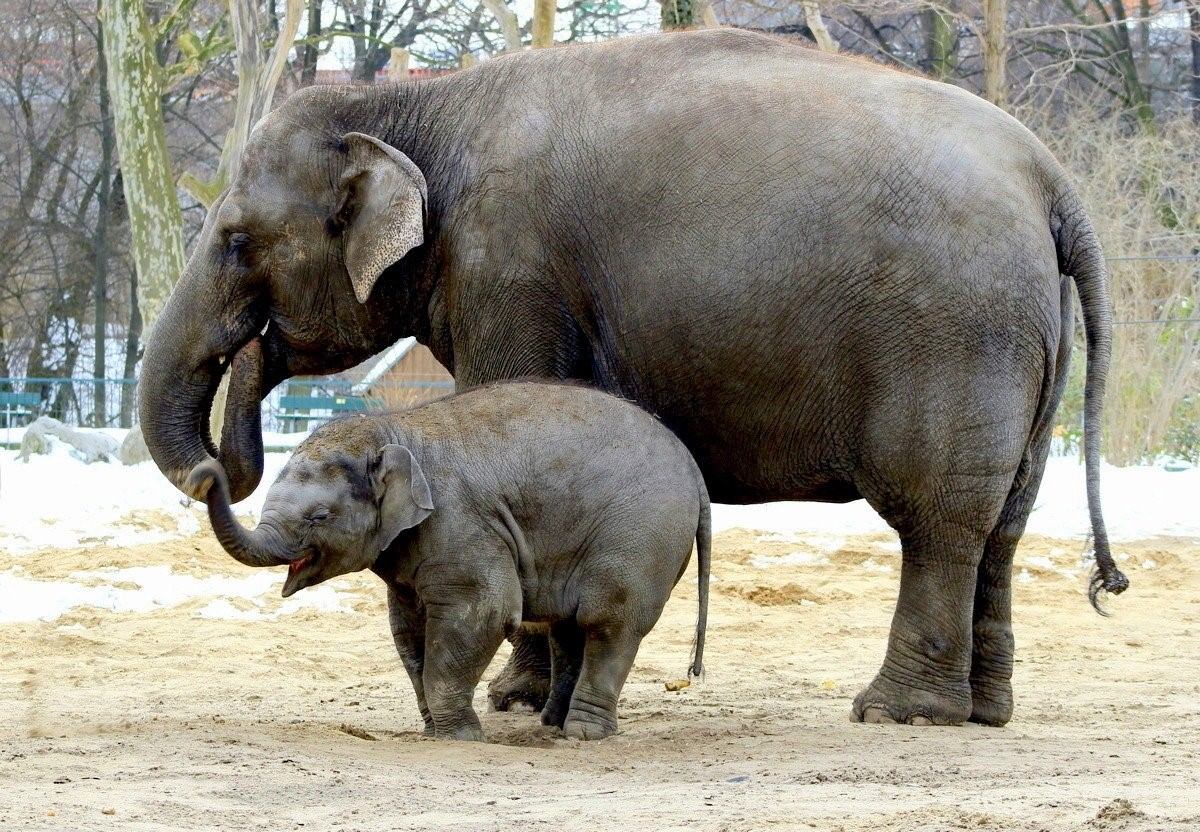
x,y
993,644
925,675
992,641
525,680
924,678
566,657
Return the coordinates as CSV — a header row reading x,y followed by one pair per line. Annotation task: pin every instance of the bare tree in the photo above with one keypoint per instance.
x,y
543,23
1194,86
816,24
507,19
677,14
155,220
995,51
258,75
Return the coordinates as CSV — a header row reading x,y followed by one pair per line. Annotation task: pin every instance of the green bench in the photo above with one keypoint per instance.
x,y
298,409
18,404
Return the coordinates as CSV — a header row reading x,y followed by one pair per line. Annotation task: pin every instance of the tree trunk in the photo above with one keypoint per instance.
x,y
156,226
4,371
1143,56
543,23
816,25
508,24
677,14
1194,15
133,337
398,65
308,74
939,44
995,51
100,242
257,79
1137,92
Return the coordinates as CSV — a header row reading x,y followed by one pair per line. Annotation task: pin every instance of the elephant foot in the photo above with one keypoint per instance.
x,y
517,689
886,702
465,733
589,726
991,671
556,710
991,701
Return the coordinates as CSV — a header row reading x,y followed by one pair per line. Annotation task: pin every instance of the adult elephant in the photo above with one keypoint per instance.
x,y
833,281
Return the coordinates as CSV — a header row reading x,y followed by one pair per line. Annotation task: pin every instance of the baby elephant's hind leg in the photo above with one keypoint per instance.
x,y
608,655
566,656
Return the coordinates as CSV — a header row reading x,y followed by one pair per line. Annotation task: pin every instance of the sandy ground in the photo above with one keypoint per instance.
x,y
166,720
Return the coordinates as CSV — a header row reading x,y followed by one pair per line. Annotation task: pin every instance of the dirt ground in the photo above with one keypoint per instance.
x,y
164,720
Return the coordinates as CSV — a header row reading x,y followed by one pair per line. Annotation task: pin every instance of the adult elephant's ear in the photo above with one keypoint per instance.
x,y
381,209
402,493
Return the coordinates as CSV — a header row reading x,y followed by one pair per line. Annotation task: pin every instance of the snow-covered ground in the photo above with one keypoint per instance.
x,y
56,501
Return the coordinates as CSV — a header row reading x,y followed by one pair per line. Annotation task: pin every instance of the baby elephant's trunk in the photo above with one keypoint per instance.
x,y
703,560
258,547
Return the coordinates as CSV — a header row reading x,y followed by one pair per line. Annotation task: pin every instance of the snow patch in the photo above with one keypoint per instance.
x,y
56,501
141,589
1140,502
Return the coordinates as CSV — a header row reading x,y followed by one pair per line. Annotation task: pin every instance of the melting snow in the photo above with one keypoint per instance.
x,y
152,587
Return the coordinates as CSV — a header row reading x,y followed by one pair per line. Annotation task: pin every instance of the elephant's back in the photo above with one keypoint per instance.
x,y
533,413
529,438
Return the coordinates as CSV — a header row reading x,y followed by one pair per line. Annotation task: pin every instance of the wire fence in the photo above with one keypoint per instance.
x,y
294,406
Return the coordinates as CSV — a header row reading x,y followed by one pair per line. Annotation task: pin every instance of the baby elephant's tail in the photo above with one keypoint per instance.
x,y
703,559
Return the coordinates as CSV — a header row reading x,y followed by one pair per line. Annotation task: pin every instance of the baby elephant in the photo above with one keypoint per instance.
x,y
518,504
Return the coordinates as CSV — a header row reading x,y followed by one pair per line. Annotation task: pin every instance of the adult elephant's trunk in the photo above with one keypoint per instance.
x,y
241,452
182,367
263,546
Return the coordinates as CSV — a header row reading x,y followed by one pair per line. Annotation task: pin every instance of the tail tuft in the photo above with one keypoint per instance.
x,y
1111,581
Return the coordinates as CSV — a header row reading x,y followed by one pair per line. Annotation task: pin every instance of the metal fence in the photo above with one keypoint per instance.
x,y
295,405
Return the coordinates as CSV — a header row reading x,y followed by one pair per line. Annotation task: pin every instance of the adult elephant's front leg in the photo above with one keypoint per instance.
x,y
525,680
486,355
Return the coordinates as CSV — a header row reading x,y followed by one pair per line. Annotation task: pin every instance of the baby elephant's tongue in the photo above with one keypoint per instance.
x,y
296,581
241,451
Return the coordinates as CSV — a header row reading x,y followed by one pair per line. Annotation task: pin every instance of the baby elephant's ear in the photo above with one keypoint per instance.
x,y
402,492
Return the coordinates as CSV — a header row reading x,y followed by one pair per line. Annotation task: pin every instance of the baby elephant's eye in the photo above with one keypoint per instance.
x,y
318,515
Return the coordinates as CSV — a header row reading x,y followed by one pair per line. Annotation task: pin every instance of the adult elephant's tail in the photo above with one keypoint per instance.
x,y
1079,256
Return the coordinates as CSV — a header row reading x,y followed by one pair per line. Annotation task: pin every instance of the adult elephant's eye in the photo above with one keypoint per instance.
x,y
236,245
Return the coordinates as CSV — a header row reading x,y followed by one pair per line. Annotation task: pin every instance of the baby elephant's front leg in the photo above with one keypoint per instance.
x,y
460,640
408,632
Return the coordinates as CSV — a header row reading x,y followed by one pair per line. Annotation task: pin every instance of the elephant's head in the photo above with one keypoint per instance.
x,y
326,515
294,249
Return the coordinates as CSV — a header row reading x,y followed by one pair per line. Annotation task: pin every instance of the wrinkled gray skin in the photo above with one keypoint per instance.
x,y
831,280
509,505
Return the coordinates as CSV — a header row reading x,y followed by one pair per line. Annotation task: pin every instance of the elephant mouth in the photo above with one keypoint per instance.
x,y
302,572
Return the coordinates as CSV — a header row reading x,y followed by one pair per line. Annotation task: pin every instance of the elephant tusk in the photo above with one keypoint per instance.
x,y
266,326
